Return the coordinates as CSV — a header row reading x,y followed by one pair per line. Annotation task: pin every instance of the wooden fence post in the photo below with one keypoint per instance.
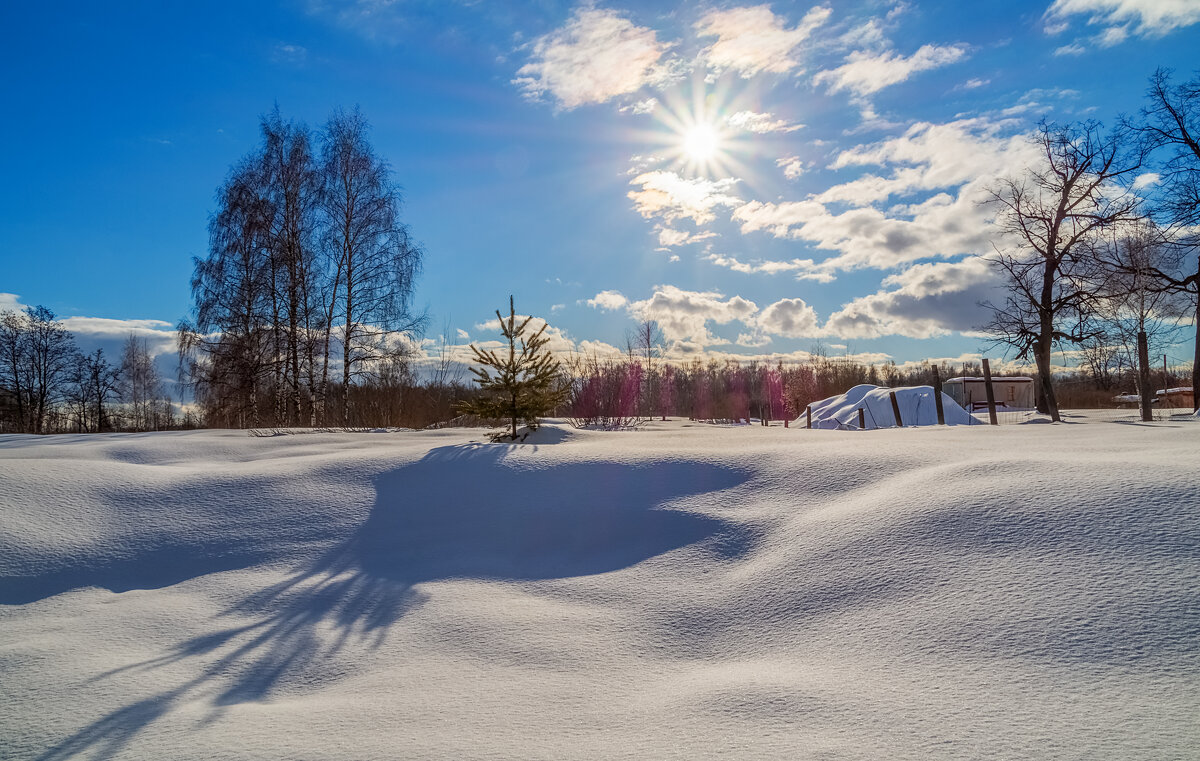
x,y
861,421
896,409
937,396
991,395
808,416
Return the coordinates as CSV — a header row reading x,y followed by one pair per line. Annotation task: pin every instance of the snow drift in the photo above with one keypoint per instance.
x,y
681,591
917,408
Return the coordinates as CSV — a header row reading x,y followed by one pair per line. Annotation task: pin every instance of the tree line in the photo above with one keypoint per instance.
x,y
48,386
1100,246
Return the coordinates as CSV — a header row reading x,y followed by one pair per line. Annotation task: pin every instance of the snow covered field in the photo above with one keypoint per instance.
x,y
683,591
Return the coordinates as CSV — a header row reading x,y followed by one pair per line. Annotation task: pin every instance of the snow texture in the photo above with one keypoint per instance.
x,y
681,591
916,403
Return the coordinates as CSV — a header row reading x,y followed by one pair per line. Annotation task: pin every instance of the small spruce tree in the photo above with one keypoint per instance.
x,y
523,385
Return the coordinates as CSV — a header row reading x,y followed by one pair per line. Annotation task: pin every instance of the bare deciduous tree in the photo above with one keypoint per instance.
x,y
374,259
1047,217
1171,126
141,387
94,381
36,355
1136,311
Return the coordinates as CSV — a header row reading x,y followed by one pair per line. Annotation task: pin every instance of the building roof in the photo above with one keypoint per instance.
x,y
995,378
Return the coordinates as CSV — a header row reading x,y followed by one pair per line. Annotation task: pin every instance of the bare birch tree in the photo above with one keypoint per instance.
x,y
375,261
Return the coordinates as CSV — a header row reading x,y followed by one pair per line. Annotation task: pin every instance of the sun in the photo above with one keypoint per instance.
x,y
701,143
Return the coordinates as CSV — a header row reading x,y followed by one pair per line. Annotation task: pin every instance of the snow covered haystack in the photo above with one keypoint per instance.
x,y
917,407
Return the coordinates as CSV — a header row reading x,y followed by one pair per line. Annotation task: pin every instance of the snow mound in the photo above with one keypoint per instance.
x,y
917,407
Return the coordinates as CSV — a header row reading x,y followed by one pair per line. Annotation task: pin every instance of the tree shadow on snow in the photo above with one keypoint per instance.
x,y
459,513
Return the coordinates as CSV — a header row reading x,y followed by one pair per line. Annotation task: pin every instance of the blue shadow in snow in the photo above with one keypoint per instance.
x,y
460,512
142,569
463,513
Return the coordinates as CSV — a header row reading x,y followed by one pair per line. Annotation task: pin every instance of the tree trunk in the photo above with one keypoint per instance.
x,y
1196,362
1144,393
1042,358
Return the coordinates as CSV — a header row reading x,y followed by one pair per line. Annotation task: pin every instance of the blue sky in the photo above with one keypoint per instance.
x,y
757,178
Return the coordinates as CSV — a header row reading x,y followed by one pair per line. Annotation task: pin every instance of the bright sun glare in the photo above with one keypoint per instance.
x,y
700,142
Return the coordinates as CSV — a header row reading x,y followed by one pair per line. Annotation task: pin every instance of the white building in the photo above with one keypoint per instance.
x,y
1011,393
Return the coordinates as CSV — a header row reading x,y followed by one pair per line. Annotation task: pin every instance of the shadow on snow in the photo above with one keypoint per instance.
x,y
460,512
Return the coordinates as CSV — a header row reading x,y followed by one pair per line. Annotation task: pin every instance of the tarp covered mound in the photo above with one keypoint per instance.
x,y
916,403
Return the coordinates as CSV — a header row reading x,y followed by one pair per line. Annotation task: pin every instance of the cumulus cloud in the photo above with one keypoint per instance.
x,y
867,72
752,40
753,340
684,316
868,237
751,121
667,195
10,302
463,335
946,168
792,166
1145,18
597,56
607,300
932,157
925,301
791,318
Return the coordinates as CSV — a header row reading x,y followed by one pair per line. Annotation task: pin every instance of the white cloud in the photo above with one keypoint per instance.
x,y
597,56
668,237
646,106
932,157
751,121
1146,180
752,40
868,237
955,161
792,166
928,300
791,318
10,302
463,335
1072,49
667,195
805,269
1145,18
865,72
683,315
753,340
607,300
1114,35
555,308
974,83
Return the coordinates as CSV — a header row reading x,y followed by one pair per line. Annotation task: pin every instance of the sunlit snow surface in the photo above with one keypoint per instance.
x,y
684,591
